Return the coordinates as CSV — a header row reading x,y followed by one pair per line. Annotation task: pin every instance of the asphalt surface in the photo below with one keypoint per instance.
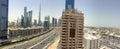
x,y
39,42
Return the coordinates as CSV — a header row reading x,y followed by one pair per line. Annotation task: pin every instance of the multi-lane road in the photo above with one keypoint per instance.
x,y
41,42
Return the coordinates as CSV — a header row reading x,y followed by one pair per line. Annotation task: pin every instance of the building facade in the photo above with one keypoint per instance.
x,y
3,19
72,30
39,18
72,27
30,18
46,25
53,21
35,22
59,22
19,34
26,19
91,41
47,18
69,4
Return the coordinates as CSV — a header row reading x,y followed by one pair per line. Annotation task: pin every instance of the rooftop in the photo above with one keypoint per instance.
x,y
90,37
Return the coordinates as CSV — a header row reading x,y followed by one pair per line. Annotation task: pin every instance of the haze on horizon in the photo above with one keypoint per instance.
x,y
103,13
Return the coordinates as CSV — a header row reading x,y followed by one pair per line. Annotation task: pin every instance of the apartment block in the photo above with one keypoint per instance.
x,y
72,29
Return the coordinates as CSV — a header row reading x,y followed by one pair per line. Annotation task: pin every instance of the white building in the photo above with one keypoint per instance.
x,y
90,42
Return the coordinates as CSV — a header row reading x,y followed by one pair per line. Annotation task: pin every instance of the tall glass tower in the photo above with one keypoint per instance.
x,y
39,18
3,19
69,4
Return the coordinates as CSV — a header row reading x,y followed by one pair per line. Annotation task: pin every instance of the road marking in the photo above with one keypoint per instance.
x,y
38,43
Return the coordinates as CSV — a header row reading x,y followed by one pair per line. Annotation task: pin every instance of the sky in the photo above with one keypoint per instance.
x,y
99,13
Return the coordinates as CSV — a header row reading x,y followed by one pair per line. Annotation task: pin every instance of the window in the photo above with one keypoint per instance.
x,y
64,48
72,32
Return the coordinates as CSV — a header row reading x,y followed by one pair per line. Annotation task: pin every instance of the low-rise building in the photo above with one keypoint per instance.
x,y
16,34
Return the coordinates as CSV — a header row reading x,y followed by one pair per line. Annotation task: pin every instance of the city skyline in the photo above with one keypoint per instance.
x,y
84,24
97,13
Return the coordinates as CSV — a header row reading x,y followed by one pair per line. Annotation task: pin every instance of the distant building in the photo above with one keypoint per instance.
x,y
46,25
59,22
26,19
35,22
48,19
18,23
39,18
29,19
3,18
11,24
53,21
72,27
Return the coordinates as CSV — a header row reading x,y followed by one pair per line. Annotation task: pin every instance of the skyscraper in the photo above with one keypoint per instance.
x,y
72,28
53,21
47,18
35,22
46,25
69,4
3,19
39,19
59,22
29,18
26,19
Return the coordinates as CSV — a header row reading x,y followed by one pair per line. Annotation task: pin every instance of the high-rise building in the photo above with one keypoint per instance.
x,y
18,22
47,18
39,19
46,25
59,22
69,4
35,22
72,28
29,19
22,21
3,18
26,19
53,22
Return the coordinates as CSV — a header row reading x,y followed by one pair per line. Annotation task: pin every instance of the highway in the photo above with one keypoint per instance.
x,y
39,42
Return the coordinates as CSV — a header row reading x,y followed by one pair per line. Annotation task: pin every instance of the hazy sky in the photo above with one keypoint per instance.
x,y
104,13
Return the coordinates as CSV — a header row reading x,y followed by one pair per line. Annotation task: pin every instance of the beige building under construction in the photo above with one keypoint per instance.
x,y
72,29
